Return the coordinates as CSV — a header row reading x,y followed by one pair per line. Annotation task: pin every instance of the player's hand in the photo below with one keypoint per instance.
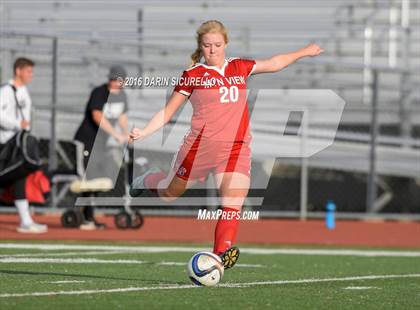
x,y
313,50
136,134
24,124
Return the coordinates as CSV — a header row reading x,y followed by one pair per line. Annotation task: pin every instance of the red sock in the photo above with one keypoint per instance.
x,y
152,180
226,230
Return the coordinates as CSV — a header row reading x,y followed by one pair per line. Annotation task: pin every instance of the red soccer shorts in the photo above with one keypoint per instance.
x,y
198,156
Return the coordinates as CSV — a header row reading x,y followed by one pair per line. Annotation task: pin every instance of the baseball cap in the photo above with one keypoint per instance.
x,y
116,72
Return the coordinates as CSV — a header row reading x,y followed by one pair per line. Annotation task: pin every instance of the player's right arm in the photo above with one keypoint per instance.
x,y
160,118
7,111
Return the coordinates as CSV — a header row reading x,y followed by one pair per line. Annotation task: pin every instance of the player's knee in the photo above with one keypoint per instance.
x,y
233,202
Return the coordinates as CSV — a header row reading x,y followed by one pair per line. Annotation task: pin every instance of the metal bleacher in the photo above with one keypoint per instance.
x,y
156,38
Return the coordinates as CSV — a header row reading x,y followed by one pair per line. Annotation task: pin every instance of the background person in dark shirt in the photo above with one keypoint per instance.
x,y
104,127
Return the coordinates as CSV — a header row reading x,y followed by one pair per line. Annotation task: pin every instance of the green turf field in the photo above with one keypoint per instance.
x,y
121,276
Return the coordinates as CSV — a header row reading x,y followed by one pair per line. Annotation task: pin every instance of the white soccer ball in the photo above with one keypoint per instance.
x,y
205,268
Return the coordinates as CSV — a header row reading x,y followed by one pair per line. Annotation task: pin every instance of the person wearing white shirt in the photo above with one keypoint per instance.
x,y
15,115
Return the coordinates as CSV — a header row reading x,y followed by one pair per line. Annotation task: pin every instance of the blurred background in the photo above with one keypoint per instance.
x,y
371,60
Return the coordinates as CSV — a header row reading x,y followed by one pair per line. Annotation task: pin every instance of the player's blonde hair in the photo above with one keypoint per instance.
x,y
210,26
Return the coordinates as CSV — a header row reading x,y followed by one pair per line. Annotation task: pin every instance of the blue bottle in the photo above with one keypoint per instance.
x,y
330,215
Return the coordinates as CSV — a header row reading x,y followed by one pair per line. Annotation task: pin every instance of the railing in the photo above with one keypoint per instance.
x,y
396,12
371,84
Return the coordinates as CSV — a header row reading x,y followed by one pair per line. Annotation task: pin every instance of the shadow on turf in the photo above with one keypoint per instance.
x,y
32,273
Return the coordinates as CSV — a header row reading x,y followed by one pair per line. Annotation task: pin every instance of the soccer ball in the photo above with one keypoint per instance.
x,y
205,268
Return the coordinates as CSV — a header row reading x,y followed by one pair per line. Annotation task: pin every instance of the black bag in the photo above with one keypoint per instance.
x,y
19,156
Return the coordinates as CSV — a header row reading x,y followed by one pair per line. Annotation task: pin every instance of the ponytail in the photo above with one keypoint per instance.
x,y
196,56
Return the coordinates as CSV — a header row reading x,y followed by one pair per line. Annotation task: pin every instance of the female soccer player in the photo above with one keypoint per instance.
x,y
219,138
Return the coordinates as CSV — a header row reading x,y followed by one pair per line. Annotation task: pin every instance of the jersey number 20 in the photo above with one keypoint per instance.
x,y
230,94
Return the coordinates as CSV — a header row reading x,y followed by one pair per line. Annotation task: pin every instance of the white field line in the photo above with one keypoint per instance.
x,y
355,278
356,288
250,265
28,260
64,282
184,264
31,255
35,260
228,285
165,249
64,254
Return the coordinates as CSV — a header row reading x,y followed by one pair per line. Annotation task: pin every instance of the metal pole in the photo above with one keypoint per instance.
x,y
374,130
140,50
304,169
367,61
405,124
6,56
246,32
350,18
52,163
405,24
393,37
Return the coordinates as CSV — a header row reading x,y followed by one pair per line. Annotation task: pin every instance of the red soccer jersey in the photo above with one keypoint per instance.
x,y
218,97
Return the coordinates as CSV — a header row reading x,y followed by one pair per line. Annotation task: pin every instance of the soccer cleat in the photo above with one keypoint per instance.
x,y
33,228
230,257
87,226
137,187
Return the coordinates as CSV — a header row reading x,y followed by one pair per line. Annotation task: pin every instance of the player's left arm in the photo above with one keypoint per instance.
x,y
281,61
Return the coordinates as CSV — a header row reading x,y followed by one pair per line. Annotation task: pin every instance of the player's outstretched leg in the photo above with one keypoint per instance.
x,y
139,184
152,180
